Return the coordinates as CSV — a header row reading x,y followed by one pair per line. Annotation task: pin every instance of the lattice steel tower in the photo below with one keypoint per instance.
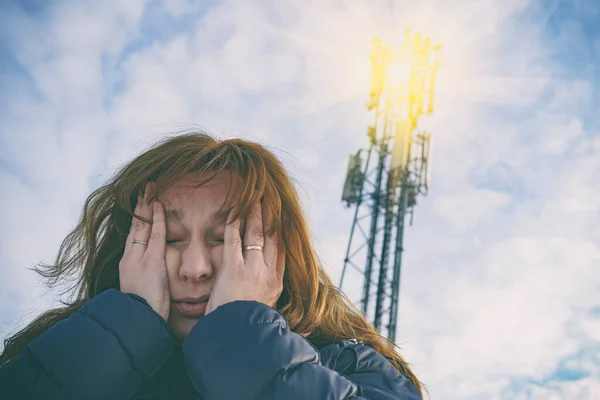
x,y
402,89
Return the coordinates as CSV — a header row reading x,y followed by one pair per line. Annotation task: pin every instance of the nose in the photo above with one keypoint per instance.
x,y
196,264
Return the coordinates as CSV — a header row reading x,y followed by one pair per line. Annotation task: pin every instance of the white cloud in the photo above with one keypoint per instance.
x,y
177,7
464,210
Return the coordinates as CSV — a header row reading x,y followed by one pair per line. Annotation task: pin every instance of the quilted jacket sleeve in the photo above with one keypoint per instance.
x,y
102,351
244,350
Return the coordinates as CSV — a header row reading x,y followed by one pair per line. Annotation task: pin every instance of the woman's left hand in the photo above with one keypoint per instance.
x,y
249,274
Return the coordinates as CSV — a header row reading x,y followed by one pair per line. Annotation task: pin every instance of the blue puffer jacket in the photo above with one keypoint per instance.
x,y
117,347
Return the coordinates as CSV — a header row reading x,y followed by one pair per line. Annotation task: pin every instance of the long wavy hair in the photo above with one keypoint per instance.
x,y
90,254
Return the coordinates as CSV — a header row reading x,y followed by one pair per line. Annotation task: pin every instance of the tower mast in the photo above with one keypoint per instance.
x,y
402,90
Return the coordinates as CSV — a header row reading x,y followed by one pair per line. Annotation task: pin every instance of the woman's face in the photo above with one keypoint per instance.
x,y
194,241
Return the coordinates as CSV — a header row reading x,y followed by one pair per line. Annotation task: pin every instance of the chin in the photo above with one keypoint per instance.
x,y
182,327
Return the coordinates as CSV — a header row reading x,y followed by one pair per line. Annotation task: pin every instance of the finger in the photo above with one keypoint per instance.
x,y
157,242
270,247
254,234
132,227
139,230
280,266
232,248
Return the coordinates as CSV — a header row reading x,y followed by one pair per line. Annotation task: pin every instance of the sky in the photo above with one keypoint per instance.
x,y
500,295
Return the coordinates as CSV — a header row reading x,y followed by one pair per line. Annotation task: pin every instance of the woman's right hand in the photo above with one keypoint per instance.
x,y
143,269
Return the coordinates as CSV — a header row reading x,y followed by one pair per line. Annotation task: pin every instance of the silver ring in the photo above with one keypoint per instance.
x,y
253,247
137,241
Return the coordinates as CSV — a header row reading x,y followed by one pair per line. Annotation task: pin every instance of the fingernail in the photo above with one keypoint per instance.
x,y
156,206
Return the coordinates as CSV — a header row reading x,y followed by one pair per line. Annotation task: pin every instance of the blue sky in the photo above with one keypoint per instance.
x,y
500,289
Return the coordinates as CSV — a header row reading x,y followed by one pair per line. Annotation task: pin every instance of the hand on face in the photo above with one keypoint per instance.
x,y
243,274
249,274
142,269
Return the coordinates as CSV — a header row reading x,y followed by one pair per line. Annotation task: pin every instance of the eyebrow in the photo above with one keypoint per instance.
x,y
173,213
219,218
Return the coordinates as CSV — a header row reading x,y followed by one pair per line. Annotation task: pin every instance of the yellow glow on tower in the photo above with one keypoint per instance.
x,y
402,88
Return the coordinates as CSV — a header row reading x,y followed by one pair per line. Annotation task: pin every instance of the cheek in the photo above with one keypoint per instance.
x,y
216,255
173,260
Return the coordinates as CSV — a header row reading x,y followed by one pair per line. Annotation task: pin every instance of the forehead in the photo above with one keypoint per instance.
x,y
186,192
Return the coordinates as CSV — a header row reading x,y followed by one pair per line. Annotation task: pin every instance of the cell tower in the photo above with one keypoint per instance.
x,y
402,89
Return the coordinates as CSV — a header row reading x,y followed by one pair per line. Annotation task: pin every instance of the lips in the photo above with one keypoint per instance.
x,y
191,309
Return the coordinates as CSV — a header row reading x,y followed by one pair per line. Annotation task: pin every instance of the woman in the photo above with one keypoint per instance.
x,y
196,279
